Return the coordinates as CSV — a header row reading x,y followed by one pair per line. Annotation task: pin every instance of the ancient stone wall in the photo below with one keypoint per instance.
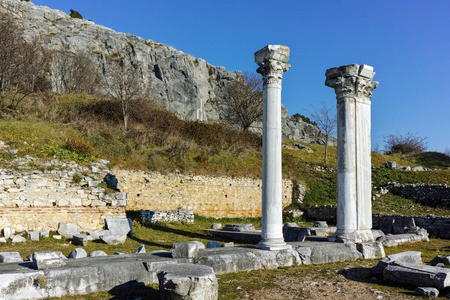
x,y
433,195
37,195
208,196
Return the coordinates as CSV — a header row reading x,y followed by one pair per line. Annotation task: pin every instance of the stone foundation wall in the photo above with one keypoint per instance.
x,y
208,196
48,218
326,213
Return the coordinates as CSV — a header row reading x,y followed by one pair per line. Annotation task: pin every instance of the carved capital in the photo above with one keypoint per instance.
x,y
351,81
272,63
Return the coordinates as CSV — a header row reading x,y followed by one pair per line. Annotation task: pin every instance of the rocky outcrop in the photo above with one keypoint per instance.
x,y
185,84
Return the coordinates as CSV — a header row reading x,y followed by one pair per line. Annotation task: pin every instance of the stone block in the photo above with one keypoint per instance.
x,y
378,234
97,253
185,249
68,229
18,239
320,224
239,227
45,233
121,196
348,70
366,71
8,232
418,275
140,249
428,292
10,257
411,257
78,253
371,250
3,240
33,235
390,164
228,245
216,226
118,226
80,239
386,225
187,281
212,244
44,260
443,259
293,233
114,239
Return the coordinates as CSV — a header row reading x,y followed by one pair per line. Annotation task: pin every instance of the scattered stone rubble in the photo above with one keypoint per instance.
x,y
155,216
407,268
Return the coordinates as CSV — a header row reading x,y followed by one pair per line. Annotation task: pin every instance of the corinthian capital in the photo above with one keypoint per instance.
x,y
351,81
272,63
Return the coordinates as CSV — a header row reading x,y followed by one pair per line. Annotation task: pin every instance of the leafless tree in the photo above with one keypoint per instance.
x,y
406,144
74,73
23,64
447,151
243,101
326,120
124,84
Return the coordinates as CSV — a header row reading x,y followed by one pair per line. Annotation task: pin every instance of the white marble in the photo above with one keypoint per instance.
x,y
353,86
272,61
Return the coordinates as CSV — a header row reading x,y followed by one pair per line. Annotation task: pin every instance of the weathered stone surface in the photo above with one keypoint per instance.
x,y
114,239
44,260
187,281
444,259
7,257
68,229
371,250
320,224
118,226
239,227
228,245
410,257
78,253
398,239
428,292
97,253
185,249
326,252
418,275
45,233
80,239
3,240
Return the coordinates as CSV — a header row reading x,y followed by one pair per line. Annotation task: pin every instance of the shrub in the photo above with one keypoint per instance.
x,y
76,15
406,144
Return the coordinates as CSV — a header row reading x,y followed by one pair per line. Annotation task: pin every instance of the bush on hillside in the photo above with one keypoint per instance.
x,y
76,15
409,143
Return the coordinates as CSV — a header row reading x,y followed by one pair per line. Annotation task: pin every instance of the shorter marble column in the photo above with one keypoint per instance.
x,y
272,64
353,86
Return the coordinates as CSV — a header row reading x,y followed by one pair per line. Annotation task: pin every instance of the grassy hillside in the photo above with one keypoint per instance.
x,y
86,128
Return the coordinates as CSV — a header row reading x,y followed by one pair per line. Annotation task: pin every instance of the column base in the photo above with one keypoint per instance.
x,y
273,245
357,236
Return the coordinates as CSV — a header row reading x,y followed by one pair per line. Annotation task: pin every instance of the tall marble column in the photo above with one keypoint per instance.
x,y
353,86
272,64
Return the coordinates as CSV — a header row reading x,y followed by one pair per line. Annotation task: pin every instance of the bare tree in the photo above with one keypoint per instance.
x,y
242,103
406,144
23,64
74,73
325,118
124,84
447,151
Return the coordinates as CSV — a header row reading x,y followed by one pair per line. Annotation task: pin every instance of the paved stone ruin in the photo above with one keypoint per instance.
x,y
353,86
272,64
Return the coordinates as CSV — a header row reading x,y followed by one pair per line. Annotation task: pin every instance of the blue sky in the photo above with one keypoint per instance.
x,y
406,41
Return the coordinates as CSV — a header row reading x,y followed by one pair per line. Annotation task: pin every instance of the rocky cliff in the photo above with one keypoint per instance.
x,y
185,84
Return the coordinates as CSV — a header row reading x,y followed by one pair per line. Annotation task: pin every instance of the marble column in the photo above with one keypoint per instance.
x,y
272,64
353,86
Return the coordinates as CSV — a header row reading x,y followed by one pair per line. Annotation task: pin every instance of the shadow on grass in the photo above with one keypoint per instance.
x,y
365,275
134,290
141,241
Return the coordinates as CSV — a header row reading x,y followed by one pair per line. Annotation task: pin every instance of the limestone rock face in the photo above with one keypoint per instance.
x,y
185,84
